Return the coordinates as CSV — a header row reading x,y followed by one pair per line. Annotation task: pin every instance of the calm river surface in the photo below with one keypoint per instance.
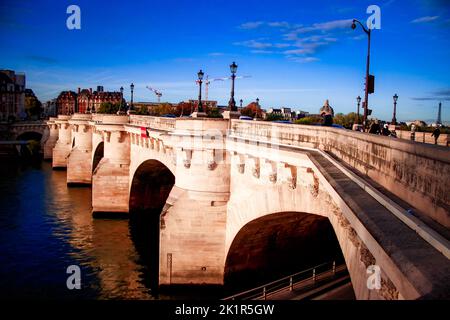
x,y
46,227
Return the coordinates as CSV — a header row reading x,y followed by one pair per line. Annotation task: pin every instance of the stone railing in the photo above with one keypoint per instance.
x,y
153,122
424,137
417,173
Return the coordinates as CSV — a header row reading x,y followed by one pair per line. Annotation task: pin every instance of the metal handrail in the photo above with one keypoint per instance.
x,y
277,285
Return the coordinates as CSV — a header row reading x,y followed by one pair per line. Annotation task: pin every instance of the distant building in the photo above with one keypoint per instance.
x,y
66,102
50,108
285,112
12,95
208,103
85,100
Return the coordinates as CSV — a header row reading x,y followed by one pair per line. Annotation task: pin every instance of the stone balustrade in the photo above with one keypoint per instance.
x,y
418,173
153,122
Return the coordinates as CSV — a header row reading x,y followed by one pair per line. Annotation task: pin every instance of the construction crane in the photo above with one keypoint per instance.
x,y
207,81
156,92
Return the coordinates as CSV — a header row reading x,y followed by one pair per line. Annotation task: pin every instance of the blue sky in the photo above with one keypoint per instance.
x,y
298,53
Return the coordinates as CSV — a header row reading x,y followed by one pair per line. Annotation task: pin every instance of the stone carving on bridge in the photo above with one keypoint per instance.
x,y
211,161
75,128
187,157
240,161
288,174
121,136
85,128
270,167
107,135
255,165
151,143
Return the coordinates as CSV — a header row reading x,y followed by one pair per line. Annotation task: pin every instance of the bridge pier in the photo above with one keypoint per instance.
x,y
52,138
79,164
63,146
110,179
193,221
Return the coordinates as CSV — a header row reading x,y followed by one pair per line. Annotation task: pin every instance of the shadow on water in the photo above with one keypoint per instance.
x,y
144,232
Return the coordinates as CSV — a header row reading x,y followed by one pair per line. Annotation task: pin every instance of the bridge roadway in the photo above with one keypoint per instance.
x,y
412,254
226,187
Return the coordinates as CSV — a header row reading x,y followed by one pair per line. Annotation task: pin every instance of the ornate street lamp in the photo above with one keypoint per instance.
x,y
232,103
358,100
121,99
132,90
240,103
366,95
394,119
200,78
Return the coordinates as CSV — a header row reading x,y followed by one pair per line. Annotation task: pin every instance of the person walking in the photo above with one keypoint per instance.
x,y
436,133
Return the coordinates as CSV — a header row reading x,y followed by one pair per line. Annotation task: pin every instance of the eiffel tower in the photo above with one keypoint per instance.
x,y
438,121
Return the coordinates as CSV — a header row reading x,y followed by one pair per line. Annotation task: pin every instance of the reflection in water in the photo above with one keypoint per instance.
x,y
46,226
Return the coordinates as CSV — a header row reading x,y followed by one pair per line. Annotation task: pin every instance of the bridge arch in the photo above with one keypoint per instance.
x,y
98,154
279,244
150,186
317,204
30,135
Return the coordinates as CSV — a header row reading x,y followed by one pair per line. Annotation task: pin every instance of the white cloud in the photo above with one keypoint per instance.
x,y
425,19
251,25
262,51
279,24
326,26
254,44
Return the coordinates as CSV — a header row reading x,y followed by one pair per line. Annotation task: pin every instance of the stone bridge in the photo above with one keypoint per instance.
x,y
228,195
25,130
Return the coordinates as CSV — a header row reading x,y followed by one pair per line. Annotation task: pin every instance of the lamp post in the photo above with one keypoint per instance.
x,y
200,78
132,90
366,95
232,103
240,103
121,100
358,100
394,119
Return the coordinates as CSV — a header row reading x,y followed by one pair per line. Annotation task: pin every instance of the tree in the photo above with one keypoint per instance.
x,y
184,108
108,108
346,121
162,109
142,111
309,120
214,113
33,107
274,117
252,110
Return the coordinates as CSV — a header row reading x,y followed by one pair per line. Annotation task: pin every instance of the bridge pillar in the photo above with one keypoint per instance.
x,y
193,221
63,145
79,164
111,177
52,138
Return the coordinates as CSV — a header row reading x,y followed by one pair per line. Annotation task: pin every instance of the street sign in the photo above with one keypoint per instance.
x,y
371,87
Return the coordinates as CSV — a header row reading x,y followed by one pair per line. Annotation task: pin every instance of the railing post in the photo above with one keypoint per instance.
x,y
291,285
264,293
334,267
314,275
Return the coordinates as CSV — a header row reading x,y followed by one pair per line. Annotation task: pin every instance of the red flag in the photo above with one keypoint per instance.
x,y
144,132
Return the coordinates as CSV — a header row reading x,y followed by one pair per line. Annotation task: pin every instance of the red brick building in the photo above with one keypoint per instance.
x,y
85,100
66,103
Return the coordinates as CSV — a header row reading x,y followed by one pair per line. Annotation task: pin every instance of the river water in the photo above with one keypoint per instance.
x,y
46,227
